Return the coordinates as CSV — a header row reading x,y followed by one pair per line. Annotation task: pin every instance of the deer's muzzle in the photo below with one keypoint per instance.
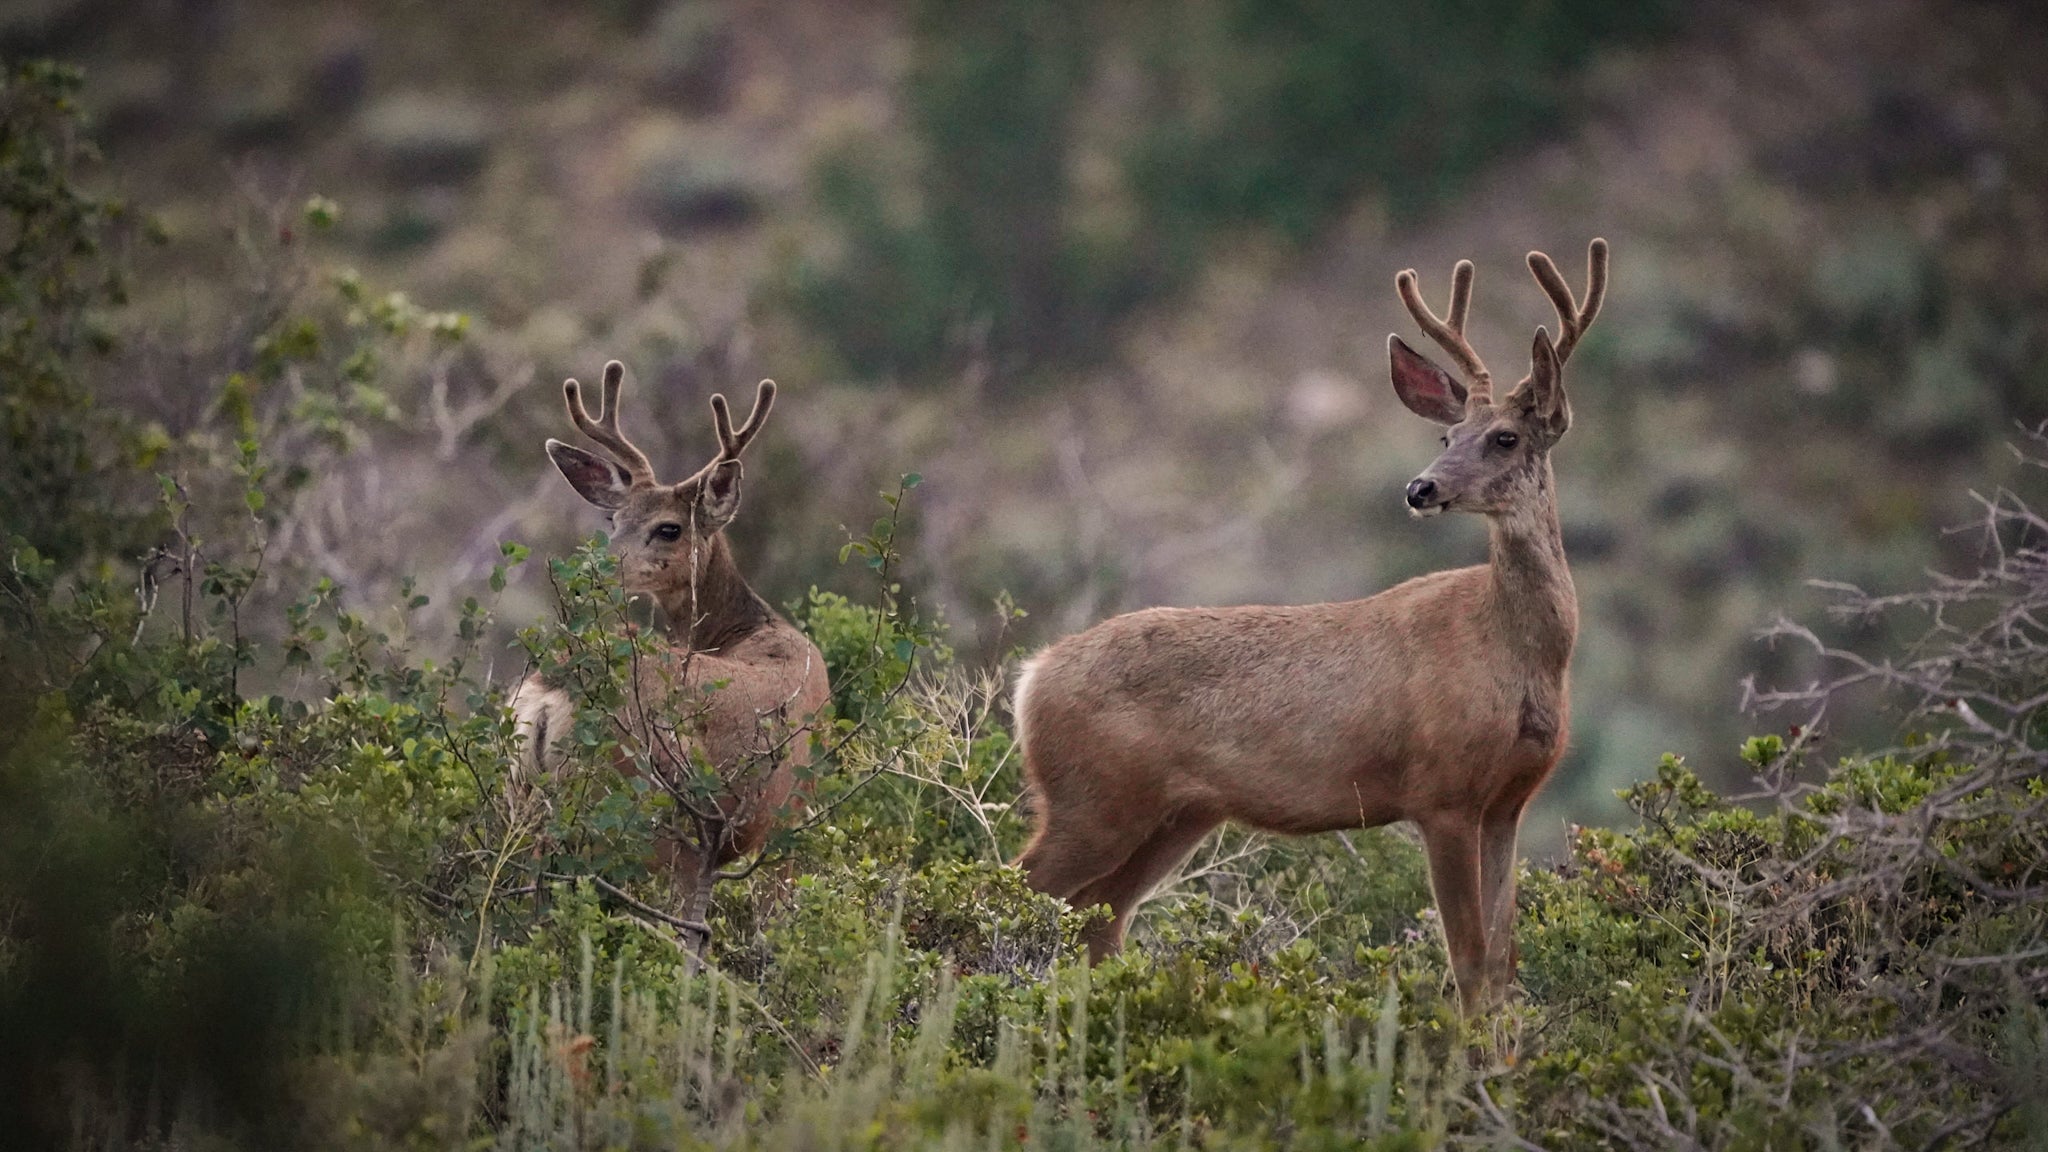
x,y
1424,497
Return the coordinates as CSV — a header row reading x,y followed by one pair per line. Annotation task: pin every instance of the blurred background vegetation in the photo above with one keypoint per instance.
x,y
289,288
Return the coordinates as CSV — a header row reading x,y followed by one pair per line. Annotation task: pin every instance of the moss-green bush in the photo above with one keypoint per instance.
x,y
354,854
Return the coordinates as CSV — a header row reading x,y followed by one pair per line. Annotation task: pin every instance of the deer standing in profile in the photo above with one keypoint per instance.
x,y
1442,700
735,687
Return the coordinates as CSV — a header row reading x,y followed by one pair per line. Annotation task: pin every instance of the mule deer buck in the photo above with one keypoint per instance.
x,y
1442,701
735,687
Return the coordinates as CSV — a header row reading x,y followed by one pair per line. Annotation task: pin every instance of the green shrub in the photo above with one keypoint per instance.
x,y
978,250
1740,974
1283,114
62,454
987,265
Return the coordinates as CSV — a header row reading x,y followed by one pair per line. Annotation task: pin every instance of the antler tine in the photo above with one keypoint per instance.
x,y
1573,318
732,443
1462,275
605,429
1450,334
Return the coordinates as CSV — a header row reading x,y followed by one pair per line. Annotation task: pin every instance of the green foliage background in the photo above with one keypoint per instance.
x,y
1273,116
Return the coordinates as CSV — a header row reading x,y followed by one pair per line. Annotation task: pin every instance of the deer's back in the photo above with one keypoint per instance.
x,y
743,699
1294,718
745,708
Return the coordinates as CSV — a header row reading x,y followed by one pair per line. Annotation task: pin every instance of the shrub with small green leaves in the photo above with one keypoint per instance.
x,y
63,456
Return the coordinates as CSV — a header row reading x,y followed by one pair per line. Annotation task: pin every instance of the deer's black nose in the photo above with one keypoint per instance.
x,y
1421,492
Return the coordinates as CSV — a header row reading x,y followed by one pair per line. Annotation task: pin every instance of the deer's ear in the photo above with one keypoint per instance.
x,y
595,478
1541,398
718,495
1427,390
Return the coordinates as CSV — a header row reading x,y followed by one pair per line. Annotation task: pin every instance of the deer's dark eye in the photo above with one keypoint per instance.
x,y
1505,439
669,531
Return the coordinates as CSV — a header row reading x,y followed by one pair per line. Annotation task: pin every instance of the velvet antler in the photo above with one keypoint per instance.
x,y
1572,318
605,429
731,443
1449,333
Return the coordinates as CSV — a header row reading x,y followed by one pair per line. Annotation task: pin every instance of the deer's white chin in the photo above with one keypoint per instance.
x,y
1425,513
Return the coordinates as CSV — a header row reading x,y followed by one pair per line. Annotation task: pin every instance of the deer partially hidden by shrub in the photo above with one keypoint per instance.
x,y
1442,701
720,717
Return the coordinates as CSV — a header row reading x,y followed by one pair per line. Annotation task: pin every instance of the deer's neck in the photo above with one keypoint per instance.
x,y
1538,608
719,607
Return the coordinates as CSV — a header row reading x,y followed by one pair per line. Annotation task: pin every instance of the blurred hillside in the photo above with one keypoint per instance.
x,y
1157,376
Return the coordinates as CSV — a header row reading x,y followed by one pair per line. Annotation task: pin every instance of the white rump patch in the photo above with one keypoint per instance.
x,y
1025,673
543,718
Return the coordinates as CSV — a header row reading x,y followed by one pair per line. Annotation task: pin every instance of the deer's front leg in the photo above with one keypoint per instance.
x,y
1452,842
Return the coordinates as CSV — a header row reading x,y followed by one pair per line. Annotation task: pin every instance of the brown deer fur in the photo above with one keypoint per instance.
x,y
737,683
1442,701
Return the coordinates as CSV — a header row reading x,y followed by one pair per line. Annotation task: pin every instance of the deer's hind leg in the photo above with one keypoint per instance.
x,y
1090,819
1127,887
1072,850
